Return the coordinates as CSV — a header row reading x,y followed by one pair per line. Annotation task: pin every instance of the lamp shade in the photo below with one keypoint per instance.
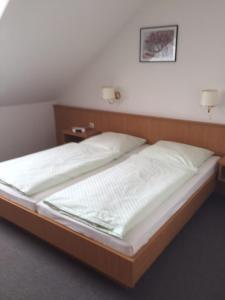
x,y
108,93
209,97
3,4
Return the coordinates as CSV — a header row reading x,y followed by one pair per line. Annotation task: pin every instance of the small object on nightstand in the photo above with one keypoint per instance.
x,y
70,136
222,170
79,129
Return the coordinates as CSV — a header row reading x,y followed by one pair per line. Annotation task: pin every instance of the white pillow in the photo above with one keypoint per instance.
x,y
181,154
116,142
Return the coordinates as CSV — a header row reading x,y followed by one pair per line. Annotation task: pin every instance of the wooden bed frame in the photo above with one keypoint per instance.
x,y
121,268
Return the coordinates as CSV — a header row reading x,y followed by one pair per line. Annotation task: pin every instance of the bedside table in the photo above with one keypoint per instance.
x,y
70,136
221,176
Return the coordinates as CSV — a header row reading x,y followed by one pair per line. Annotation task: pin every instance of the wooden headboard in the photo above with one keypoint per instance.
x,y
207,135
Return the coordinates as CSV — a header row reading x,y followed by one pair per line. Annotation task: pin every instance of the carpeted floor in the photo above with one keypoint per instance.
x,y
192,267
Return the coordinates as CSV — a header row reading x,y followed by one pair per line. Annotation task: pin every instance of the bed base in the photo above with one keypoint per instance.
x,y
123,269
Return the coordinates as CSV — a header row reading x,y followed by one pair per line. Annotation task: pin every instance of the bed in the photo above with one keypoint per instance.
x,y
141,234
126,263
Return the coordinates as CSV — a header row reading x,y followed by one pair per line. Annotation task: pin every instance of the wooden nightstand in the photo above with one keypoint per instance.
x,y
70,136
221,176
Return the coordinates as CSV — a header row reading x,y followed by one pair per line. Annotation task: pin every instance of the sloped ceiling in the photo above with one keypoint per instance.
x,y
45,43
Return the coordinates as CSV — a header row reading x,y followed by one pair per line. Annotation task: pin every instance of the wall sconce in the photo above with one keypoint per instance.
x,y
209,98
3,5
110,95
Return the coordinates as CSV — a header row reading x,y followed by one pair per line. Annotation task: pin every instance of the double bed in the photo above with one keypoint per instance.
x,y
126,259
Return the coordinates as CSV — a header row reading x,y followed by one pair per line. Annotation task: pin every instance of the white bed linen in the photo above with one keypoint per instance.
x,y
30,202
42,170
139,235
116,200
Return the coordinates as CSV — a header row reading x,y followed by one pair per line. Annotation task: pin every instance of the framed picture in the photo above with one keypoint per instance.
x,y
158,44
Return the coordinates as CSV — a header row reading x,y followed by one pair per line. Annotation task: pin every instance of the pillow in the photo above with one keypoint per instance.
x,y
116,142
181,154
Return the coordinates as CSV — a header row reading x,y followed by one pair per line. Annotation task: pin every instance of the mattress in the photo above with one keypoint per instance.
x,y
30,202
139,236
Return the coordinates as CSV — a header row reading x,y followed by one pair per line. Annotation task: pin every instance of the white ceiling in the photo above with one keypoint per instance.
x,y
45,43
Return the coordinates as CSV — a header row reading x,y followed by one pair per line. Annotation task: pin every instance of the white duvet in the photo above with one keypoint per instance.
x,y
115,200
37,172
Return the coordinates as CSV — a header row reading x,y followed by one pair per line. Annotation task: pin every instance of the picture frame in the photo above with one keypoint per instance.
x,y
158,44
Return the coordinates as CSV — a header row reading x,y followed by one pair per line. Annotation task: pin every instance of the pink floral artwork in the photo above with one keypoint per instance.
x,y
158,44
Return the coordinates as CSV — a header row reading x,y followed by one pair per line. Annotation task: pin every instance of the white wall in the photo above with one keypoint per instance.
x,y
25,129
164,89
45,42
